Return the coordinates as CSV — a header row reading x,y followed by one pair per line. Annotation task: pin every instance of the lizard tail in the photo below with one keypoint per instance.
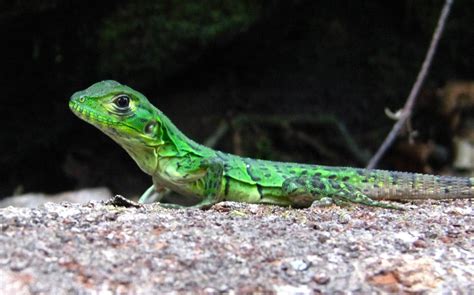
x,y
389,185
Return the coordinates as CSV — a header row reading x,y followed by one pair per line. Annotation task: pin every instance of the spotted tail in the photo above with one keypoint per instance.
x,y
389,185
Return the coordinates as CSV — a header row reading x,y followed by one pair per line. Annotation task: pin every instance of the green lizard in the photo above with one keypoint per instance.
x,y
177,163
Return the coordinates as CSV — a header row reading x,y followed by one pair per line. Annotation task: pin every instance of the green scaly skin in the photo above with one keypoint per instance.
x,y
177,163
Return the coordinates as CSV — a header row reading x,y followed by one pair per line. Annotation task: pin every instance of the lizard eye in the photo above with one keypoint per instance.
x,y
122,102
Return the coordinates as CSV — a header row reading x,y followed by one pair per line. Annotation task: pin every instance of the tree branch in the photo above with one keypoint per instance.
x,y
408,107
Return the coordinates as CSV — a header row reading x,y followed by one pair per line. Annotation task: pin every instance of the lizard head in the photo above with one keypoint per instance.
x,y
125,115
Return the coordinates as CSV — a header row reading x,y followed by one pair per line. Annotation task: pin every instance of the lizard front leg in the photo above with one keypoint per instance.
x,y
209,184
153,194
212,182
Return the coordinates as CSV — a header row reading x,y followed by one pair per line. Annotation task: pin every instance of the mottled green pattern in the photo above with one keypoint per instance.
x,y
175,162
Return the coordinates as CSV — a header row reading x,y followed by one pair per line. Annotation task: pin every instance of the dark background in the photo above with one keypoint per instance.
x,y
202,62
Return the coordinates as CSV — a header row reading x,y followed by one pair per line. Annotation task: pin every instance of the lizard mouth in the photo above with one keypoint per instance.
x,y
89,116
102,122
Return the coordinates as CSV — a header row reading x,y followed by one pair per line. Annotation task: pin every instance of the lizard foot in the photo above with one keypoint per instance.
x,y
201,205
323,202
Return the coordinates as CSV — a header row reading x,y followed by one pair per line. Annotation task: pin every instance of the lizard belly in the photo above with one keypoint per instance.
x,y
234,190
238,191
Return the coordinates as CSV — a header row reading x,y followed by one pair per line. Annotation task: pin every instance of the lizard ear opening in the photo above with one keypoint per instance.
x,y
151,128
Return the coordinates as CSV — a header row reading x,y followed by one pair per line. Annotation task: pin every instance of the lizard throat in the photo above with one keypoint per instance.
x,y
125,135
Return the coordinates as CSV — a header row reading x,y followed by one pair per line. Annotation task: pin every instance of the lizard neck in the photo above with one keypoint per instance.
x,y
145,156
171,144
176,144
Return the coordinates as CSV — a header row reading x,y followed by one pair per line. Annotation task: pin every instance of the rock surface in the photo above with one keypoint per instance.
x,y
33,200
84,248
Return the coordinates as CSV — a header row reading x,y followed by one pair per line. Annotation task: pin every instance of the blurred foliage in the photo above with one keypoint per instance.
x,y
293,57
151,39
20,7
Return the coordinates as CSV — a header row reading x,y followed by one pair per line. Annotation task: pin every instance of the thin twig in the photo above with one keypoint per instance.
x,y
285,122
221,130
316,145
408,107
